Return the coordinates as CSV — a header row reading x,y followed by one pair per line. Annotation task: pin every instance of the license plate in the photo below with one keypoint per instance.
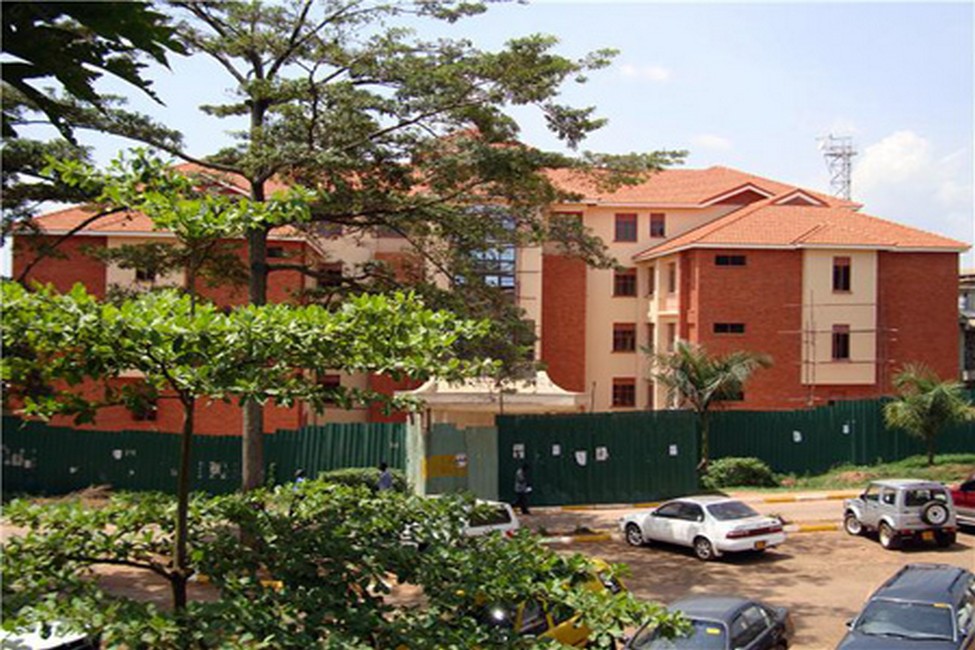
x,y
759,545
927,536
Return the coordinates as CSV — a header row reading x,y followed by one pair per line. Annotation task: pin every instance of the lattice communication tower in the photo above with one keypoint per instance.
x,y
838,152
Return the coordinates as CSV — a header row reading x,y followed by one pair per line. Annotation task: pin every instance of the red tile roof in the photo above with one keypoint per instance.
x,y
692,187
764,224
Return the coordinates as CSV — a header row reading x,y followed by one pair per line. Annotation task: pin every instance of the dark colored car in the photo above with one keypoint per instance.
x,y
921,607
723,623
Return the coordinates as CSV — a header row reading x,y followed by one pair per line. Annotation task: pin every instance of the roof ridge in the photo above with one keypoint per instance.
x,y
717,224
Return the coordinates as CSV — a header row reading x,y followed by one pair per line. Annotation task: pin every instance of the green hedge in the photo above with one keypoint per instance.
x,y
735,472
363,476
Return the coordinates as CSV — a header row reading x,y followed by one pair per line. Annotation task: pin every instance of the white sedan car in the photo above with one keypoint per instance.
x,y
711,525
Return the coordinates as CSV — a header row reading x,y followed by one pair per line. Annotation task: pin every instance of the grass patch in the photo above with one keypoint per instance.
x,y
947,468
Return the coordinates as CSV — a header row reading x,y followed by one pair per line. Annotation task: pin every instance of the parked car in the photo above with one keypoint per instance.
x,y
56,638
711,525
722,623
484,518
540,619
963,497
492,516
902,509
921,607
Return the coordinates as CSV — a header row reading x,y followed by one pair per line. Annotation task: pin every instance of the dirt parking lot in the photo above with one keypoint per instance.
x,y
823,578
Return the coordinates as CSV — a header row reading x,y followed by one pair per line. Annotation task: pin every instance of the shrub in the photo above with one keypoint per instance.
x,y
727,472
363,476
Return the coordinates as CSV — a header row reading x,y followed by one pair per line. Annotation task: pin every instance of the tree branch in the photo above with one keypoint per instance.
x,y
63,238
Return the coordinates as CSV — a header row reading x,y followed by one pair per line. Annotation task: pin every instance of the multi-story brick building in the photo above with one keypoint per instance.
x,y
714,256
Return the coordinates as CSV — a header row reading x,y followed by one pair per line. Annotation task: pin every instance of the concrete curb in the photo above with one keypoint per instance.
x,y
785,498
605,536
837,496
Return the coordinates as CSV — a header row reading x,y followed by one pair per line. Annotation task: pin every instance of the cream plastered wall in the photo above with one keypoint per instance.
x,y
337,414
528,287
823,308
603,309
125,278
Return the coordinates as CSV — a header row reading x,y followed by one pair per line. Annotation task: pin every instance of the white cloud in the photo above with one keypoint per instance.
x,y
645,72
904,178
711,141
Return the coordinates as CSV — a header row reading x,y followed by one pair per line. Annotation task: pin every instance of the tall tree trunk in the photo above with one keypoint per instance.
x,y
929,440
182,569
253,416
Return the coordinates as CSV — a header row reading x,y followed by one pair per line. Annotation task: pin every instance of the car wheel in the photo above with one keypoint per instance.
x,y
888,538
634,537
945,539
703,549
935,513
852,524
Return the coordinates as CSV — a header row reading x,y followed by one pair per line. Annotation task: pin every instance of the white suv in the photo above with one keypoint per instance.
x,y
900,509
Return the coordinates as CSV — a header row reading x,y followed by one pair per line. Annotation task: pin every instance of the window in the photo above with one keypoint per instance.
x,y
532,618
624,392
729,328
671,336
658,223
624,283
147,410
332,383
651,337
841,342
729,260
672,277
388,232
888,496
275,252
841,274
626,227
651,280
624,337
670,510
330,275
145,275
691,512
651,399
733,394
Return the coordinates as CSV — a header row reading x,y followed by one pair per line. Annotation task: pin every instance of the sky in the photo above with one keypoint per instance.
x,y
750,86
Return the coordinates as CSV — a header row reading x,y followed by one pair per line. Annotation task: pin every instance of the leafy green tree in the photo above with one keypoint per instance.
x,y
193,351
394,132
76,43
925,405
702,382
315,571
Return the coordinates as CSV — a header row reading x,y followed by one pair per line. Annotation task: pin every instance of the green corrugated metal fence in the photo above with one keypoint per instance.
x,y
42,459
599,458
812,441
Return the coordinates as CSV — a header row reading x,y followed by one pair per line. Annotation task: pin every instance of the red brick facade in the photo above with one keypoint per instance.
x,y
564,320
69,265
916,312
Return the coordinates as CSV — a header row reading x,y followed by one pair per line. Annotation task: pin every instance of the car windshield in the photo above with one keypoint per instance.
x,y
704,635
731,510
906,620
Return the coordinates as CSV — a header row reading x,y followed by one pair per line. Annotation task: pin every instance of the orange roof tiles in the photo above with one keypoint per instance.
x,y
678,186
764,224
117,224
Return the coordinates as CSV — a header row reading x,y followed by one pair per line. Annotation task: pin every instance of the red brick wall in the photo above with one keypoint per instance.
x,y
387,386
564,320
71,265
282,286
210,417
919,302
764,295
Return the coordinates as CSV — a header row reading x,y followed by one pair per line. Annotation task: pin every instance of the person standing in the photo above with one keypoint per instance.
x,y
522,489
385,481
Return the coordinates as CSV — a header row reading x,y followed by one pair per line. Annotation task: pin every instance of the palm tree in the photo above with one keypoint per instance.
x,y
925,405
702,382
